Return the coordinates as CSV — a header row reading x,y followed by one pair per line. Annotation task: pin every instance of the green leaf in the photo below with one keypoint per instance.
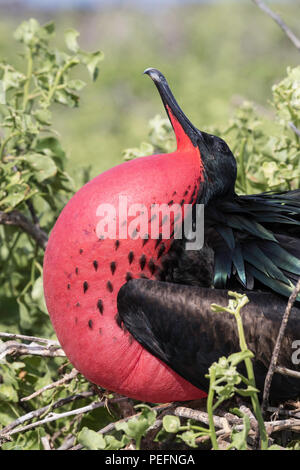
x,y
91,60
8,393
43,381
71,36
91,440
171,423
136,428
50,146
238,357
43,116
12,79
76,85
7,413
49,27
189,437
67,98
31,441
26,319
27,32
43,166
239,439
114,444
248,392
15,197
37,290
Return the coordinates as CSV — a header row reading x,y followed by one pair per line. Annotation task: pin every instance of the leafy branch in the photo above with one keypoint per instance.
x,y
34,184
224,376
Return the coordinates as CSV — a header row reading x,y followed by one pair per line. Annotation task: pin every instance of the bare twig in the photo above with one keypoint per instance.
x,y
271,427
290,424
18,219
294,128
34,217
55,384
197,415
55,416
276,351
39,412
68,443
36,339
292,37
13,348
46,443
254,424
202,416
47,348
281,411
285,371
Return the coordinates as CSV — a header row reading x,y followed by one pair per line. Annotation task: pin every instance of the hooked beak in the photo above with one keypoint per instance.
x,y
172,107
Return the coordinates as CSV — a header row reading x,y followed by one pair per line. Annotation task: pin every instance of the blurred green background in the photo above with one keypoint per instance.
x,y
214,54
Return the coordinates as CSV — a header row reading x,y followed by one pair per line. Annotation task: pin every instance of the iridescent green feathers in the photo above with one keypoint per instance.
x,y
259,241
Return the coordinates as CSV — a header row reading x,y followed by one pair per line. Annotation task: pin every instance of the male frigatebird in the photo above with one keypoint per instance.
x,y
133,314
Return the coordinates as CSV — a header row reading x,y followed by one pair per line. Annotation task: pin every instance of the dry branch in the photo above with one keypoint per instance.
x,y
13,348
275,355
45,443
39,412
292,37
285,371
47,348
36,339
55,416
18,219
292,424
66,378
202,416
294,128
281,411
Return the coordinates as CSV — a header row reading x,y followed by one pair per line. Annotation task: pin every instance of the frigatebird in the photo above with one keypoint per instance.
x,y
134,315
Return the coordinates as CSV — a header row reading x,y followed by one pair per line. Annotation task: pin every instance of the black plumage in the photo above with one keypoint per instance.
x,y
176,324
256,237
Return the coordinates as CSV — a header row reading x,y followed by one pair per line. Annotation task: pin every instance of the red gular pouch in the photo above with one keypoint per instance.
x,y
83,271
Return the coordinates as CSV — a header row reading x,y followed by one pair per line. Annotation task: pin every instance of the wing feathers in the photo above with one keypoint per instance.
x,y
266,227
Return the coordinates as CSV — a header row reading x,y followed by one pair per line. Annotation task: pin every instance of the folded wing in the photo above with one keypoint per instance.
x,y
175,323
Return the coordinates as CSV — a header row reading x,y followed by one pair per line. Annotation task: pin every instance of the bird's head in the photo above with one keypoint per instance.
x,y
218,162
